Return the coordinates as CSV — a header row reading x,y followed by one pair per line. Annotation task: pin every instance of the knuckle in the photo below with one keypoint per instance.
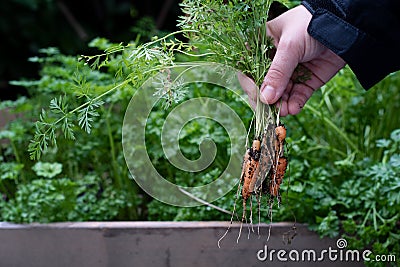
x,y
275,73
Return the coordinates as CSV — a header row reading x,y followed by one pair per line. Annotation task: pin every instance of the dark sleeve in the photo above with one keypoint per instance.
x,y
365,33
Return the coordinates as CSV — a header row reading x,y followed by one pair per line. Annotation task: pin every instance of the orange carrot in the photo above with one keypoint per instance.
x,y
280,132
254,178
250,168
278,176
245,164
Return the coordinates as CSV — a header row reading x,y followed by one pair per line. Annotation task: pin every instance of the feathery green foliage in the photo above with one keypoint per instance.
x,y
230,32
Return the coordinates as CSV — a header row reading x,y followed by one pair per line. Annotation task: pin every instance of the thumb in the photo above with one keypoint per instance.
x,y
279,73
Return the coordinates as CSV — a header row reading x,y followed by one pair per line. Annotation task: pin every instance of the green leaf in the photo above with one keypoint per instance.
x,y
384,143
10,170
46,169
395,135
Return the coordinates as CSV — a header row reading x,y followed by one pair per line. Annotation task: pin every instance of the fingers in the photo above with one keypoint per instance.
x,y
323,68
289,32
294,99
283,103
279,73
298,98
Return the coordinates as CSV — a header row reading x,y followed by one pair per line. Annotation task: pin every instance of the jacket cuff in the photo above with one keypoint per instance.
x,y
331,6
329,28
333,32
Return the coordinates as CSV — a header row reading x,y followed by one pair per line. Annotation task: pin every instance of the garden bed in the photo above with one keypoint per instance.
x,y
152,244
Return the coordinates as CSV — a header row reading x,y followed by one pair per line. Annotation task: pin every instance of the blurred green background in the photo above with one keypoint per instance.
x,y
29,25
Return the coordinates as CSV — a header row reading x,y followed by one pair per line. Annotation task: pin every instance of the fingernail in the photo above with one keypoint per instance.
x,y
267,94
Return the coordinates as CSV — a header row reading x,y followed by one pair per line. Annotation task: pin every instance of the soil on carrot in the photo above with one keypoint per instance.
x,y
263,170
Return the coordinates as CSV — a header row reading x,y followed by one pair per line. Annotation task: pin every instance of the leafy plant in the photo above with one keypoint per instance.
x,y
343,175
46,169
72,173
233,33
63,199
74,162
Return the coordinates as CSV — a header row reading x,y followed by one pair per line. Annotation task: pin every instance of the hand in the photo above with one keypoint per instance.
x,y
249,87
295,46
